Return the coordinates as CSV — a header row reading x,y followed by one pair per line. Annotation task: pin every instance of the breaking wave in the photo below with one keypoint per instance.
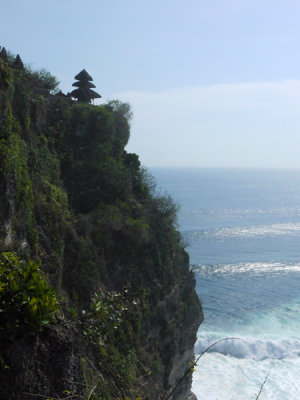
x,y
252,348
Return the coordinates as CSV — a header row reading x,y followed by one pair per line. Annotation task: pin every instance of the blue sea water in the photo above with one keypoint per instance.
x,y
242,229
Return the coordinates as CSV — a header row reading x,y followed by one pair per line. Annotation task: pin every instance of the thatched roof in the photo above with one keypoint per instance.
x,y
94,95
84,84
85,95
83,76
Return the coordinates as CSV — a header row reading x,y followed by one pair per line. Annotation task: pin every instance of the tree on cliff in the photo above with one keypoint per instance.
x,y
18,63
84,93
3,54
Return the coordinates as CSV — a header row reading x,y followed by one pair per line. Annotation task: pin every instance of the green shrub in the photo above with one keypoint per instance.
x,y
105,317
6,75
110,326
52,205
27,302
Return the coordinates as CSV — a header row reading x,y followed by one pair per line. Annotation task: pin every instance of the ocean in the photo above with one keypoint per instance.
x,y
242,231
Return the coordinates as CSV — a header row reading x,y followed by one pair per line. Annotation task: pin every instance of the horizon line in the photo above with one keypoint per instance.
x,y
219,167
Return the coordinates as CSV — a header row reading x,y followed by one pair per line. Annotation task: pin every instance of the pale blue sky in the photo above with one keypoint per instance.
x,y
211,83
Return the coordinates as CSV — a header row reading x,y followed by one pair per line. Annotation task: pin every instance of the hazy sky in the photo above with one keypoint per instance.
x,y
211,83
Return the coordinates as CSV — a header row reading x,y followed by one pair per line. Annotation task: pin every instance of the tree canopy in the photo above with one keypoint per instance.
x,y
3,54
18,63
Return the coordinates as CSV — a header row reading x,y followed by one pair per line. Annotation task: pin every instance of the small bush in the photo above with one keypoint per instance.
x,y
27,302
105,317
110,325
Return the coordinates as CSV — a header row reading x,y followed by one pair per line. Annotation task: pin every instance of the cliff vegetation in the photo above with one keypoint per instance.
x,y
96,297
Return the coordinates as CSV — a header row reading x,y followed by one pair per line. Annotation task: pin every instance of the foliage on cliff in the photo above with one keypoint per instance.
x,y
73,200
27,302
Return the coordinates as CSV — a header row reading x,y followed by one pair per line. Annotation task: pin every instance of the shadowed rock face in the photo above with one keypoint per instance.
x,y
192,396
45,363
72,197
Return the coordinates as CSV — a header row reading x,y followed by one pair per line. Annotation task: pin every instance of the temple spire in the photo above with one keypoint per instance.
x,y
84,93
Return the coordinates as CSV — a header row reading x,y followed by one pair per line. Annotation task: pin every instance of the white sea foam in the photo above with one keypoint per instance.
x,y
254,268
253,348
218,377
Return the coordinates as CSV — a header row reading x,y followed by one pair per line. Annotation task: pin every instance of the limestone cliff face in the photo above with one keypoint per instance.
x,y
71,197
